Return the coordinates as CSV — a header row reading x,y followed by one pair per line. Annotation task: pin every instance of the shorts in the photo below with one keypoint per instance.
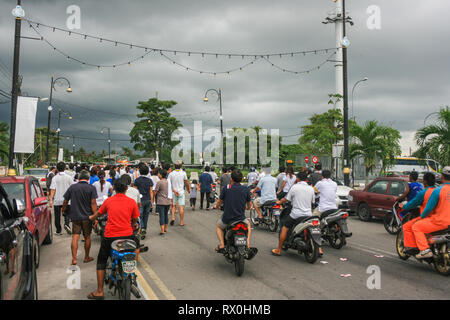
x,y
290,222
223,226
257,202
316,212
105,250
83,225
179,200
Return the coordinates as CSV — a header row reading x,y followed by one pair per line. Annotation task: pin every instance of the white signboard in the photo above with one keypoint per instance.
x,y
71,159
60,154
25,124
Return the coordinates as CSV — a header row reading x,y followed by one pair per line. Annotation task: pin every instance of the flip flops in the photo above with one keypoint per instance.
x,y
172,222
91,296
220,250
275,253
88,260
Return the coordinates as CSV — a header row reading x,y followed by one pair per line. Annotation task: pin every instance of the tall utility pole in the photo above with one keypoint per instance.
x,y
346,136
15,88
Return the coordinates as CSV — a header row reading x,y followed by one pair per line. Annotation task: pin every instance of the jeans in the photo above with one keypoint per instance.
x,y
58,218
146,208
208,198
163,214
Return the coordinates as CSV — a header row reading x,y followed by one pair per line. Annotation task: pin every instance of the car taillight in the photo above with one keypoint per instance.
x,y
240,226
315,223
43,179
345,216
276,206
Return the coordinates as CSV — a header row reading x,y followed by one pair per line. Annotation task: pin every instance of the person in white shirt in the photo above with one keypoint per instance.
x,y
178,180
288,181
60,183
103,188
301,196
327,189
252,177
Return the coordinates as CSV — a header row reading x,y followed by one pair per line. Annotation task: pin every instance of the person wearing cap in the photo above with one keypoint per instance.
x,y
439,202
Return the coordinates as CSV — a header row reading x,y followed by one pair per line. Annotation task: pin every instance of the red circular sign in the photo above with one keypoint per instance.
x,y
315,159
306,159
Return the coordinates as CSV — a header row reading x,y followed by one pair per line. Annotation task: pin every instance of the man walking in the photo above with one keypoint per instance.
x,y
144,184
83,198
178,179
49,178
205,182
60,183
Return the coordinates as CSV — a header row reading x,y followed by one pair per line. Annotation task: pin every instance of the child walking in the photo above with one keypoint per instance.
x,y
193,195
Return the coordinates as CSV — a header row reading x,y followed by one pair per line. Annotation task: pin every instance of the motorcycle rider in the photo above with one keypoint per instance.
x,y
316,175
267,185
421,199
327,189
123,215
252,177
301,195
236,199
412,190
439,202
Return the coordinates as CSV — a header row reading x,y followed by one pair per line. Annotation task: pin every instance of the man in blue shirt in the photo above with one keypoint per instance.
x,y
236,199
205,182
268,187
414,188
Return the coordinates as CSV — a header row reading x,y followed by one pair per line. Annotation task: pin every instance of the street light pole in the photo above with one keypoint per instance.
x,y
60,111
73,147
219,95
15,91
50,108
346,135
365,79
109,142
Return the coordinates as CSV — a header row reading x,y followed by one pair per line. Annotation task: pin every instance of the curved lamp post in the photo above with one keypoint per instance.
x,y
219,97
59,80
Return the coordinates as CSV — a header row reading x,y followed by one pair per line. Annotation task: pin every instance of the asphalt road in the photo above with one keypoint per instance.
x,y
183,265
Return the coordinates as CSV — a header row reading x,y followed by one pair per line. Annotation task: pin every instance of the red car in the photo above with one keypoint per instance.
x,y
28,190
377,198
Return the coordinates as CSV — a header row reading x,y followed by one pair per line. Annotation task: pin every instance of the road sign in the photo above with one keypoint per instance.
x,y
315,159
306,159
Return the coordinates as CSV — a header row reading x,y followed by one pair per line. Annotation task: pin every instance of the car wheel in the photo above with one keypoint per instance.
x,y
36,250
49,238
364,212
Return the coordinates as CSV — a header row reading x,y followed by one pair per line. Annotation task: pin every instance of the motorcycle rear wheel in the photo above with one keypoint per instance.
x,y
239,265
442,265
125,289
337,240
390,223
399,246
273,226
313,251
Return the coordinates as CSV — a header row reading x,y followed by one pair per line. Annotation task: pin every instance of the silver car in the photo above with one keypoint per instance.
x,y
40,174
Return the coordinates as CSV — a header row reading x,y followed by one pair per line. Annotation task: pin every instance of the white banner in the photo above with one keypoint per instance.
x,y
25,124
60,154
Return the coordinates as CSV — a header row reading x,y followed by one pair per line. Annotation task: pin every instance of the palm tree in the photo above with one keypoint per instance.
x,y
434,140
375,142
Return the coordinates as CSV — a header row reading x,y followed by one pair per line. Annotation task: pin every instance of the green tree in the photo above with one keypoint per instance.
x,y
4,142
374,142
153,132
434,140
128,152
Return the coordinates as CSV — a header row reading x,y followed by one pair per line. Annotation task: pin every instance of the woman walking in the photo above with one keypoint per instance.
x,y
163,202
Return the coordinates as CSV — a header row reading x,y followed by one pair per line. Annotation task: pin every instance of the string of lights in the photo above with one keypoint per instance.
x,y
298,72
175,52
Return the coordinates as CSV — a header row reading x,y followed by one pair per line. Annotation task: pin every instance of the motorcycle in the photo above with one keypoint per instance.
x,y
439,242
270,216
236,250
121,269
304,236
334,229
213,196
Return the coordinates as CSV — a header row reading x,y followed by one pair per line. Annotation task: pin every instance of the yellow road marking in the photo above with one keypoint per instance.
x,y
144,284
167,293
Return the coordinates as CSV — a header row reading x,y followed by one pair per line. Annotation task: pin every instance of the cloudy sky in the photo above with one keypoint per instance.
x,y
407,62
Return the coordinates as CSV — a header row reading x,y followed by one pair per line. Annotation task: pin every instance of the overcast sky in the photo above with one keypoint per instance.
x,y
407,62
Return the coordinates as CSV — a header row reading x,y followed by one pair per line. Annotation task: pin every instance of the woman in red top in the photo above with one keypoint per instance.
x,y
123,214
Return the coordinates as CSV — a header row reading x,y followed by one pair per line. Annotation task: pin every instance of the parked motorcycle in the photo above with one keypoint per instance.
x,y
270,216
439,242
121,269
236,250
305,236
333,225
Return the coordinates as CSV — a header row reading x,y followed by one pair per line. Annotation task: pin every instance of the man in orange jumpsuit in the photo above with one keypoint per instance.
x,y
420,200
439,202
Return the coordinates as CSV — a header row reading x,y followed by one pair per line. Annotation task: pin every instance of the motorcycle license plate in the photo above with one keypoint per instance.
x,y
276,213
129,266
241,241
315,231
